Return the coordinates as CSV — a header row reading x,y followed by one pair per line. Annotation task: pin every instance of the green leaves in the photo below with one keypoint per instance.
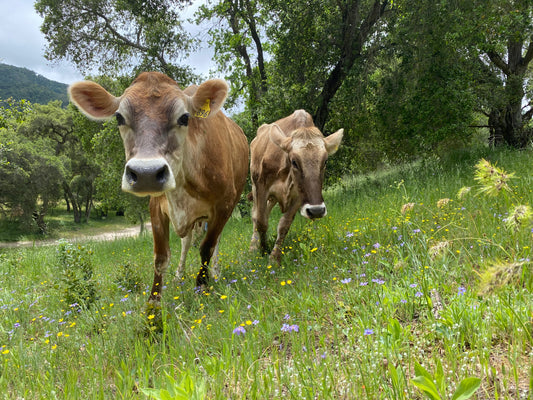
x,y
186,389
433,386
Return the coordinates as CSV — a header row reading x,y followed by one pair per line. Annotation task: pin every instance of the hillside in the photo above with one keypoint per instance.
x,y
21,83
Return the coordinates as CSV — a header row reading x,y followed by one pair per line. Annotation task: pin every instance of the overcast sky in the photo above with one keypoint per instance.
x,y
22,44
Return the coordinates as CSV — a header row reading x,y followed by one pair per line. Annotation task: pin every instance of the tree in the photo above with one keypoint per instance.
x,y
30,171
313,46
55,124
117,35
498,36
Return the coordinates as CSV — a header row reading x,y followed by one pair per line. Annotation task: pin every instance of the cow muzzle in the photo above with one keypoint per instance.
x,y
144,177
313,211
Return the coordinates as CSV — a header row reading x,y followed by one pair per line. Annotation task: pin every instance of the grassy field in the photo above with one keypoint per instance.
x,y
417,284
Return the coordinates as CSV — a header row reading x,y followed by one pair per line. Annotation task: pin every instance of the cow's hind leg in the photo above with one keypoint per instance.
x,y
283,228
160,230
260,213
208,248
186,243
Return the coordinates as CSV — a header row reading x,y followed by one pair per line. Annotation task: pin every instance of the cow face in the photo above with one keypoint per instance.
x,y
307,152
154,117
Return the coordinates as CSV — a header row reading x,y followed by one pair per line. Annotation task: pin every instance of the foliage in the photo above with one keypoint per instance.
x,y
186,389
23,84
31,172
434,386
119,36
78,287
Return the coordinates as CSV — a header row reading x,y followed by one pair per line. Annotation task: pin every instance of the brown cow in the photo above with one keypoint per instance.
x,y
288,159
182,151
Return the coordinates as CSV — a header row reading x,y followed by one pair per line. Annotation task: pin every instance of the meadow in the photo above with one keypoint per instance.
x,y
417,284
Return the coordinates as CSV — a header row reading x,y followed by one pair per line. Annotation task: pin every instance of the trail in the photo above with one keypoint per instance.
x,y
106,236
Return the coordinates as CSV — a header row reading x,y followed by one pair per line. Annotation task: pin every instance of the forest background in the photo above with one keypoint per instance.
x,y
407,80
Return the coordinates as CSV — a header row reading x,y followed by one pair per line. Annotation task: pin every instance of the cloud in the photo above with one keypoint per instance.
x,y
22,44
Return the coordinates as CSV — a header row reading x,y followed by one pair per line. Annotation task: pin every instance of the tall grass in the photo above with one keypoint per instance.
x,y
367,302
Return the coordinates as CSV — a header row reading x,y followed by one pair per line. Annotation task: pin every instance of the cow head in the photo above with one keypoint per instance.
x,y
154,116
307,151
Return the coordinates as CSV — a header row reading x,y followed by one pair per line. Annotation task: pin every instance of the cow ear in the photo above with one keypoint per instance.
x,y
333,141
279,138
93,100
209,98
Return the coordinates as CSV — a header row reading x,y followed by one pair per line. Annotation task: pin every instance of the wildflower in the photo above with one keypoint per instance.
x,y
349,234
443,202
290,328
376,245
369,332
461,290
491,178
520,215
419,294
223,297
416,231
407,207
151,316
403,301
413,285
239,331
463,192
438,248
346,280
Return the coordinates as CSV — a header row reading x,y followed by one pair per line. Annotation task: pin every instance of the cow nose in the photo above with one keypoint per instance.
x,y
147,176
313,212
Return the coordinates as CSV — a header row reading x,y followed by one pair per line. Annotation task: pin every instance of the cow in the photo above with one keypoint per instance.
x,y
183,152
287,164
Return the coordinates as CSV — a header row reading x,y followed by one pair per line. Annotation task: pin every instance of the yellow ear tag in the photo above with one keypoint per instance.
x,y
203,112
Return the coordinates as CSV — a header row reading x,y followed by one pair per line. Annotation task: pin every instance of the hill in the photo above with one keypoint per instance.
x,y
22,83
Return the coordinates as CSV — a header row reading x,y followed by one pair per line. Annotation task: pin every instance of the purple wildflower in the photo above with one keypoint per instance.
x,y
369,332
239,330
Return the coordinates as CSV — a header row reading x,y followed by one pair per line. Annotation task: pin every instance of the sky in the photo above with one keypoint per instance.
x,y
23,45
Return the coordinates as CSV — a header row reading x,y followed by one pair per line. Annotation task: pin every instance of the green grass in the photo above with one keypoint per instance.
x,y
366,299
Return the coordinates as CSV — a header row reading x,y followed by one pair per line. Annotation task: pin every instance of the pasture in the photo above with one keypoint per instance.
x,y
409,282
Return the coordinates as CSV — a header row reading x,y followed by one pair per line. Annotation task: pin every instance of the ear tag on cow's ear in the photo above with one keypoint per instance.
x,y
203,112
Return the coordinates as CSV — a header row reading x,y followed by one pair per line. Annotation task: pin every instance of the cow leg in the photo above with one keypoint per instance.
x,y
207,250
260,213
160,230
186,243
283,228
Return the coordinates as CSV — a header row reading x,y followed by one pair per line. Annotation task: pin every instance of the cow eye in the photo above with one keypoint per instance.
x,y
294,164
120,119
183,120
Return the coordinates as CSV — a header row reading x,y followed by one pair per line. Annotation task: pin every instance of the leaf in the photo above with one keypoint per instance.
x,y
467,388
421,371
427,386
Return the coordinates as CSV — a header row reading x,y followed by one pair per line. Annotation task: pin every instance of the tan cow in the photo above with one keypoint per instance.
x,y
288,160
182,151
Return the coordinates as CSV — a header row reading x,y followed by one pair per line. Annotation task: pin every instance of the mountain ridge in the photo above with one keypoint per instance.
x,y
21,83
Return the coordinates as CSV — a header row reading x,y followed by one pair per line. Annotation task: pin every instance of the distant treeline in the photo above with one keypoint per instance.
x,y
21,83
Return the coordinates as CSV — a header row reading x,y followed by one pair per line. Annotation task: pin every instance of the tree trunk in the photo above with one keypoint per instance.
x,y
76,208
354,36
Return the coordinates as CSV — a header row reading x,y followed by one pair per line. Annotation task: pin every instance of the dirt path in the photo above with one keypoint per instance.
x,y
127,232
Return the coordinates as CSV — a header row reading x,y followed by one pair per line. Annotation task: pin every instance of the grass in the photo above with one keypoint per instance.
x,y
367,302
